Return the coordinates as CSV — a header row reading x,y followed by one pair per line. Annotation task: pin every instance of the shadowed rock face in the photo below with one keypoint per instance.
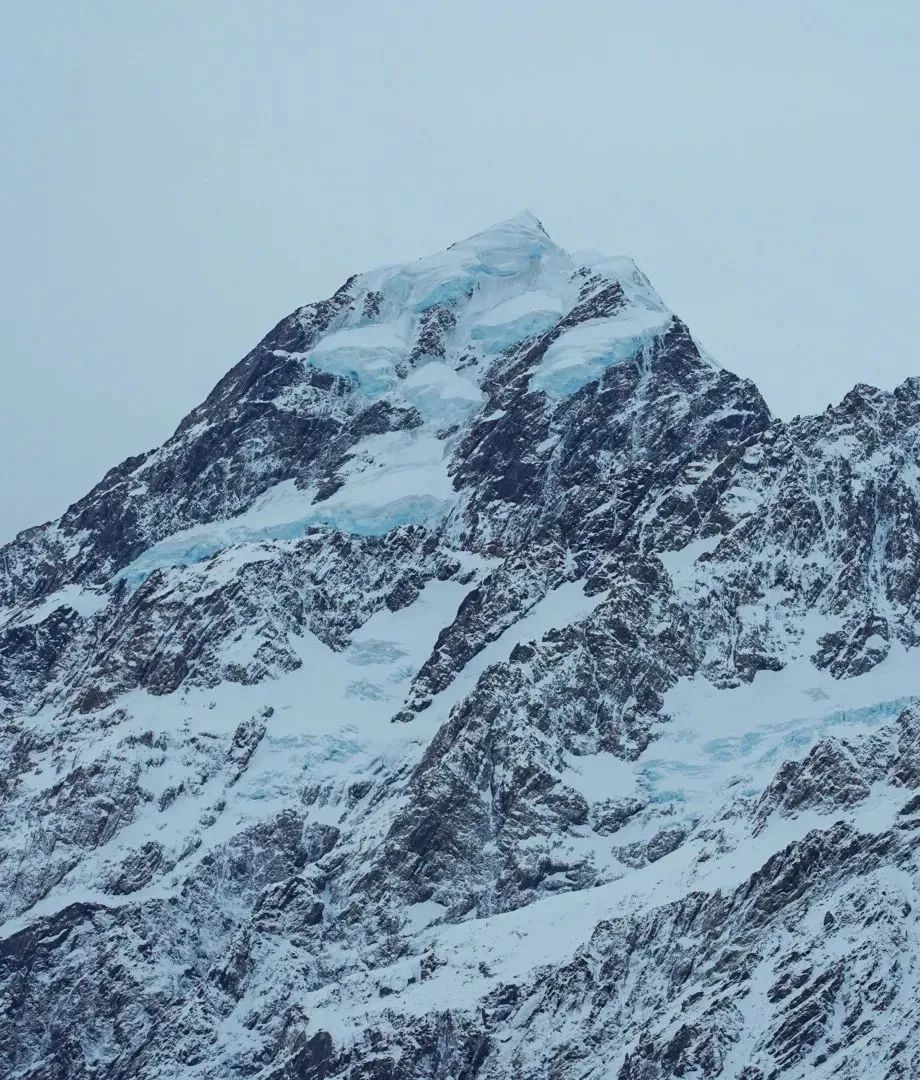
x,y
479,683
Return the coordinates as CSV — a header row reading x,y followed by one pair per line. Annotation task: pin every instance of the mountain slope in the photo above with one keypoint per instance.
x,y
479,682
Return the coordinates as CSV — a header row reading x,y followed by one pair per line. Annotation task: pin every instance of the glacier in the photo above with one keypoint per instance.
x,y
368,355
520,317
582,354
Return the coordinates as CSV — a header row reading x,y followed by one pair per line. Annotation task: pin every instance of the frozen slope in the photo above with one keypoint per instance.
x,y
479,683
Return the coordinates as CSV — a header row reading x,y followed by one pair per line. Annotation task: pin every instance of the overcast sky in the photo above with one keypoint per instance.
x,y
177,176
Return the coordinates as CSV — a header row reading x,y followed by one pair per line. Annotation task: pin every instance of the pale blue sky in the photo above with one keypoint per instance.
x,y
179,175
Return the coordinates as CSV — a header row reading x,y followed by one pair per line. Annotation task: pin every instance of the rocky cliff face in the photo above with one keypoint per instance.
x,y
479,683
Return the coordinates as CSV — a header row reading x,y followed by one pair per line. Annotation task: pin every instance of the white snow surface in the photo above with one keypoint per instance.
x,y
519,317
86,602
582,354
367,354
518,284
397,478
441,394
735,739
721,745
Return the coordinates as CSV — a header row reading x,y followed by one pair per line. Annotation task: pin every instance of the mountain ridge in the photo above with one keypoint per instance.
x,y
479,682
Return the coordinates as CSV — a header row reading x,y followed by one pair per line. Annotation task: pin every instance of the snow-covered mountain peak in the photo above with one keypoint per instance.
x,y
495,262
624,270
521,229
478,683
483,297
401,368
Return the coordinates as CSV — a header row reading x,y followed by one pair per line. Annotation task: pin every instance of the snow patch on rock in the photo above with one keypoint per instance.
x,y
582,355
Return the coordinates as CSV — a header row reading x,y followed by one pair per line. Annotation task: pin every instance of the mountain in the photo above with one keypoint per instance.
x,y
479,683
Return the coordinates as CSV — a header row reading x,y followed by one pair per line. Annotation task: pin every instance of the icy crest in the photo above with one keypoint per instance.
x,y
500,287
582,354
494,292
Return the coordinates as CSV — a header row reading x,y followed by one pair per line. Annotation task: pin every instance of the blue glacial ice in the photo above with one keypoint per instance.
x,y
581,355
445,284
518,318
365,689
747,761
442,395
369,520
393,480
191,547
294,759
372,651
367,355
793,738
516,247
361,520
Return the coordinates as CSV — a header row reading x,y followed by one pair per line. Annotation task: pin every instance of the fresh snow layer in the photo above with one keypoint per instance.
x,y
441,394
679,563
582,354
621,268
397,478
517,318
736,739
516,284
85,602
366,354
